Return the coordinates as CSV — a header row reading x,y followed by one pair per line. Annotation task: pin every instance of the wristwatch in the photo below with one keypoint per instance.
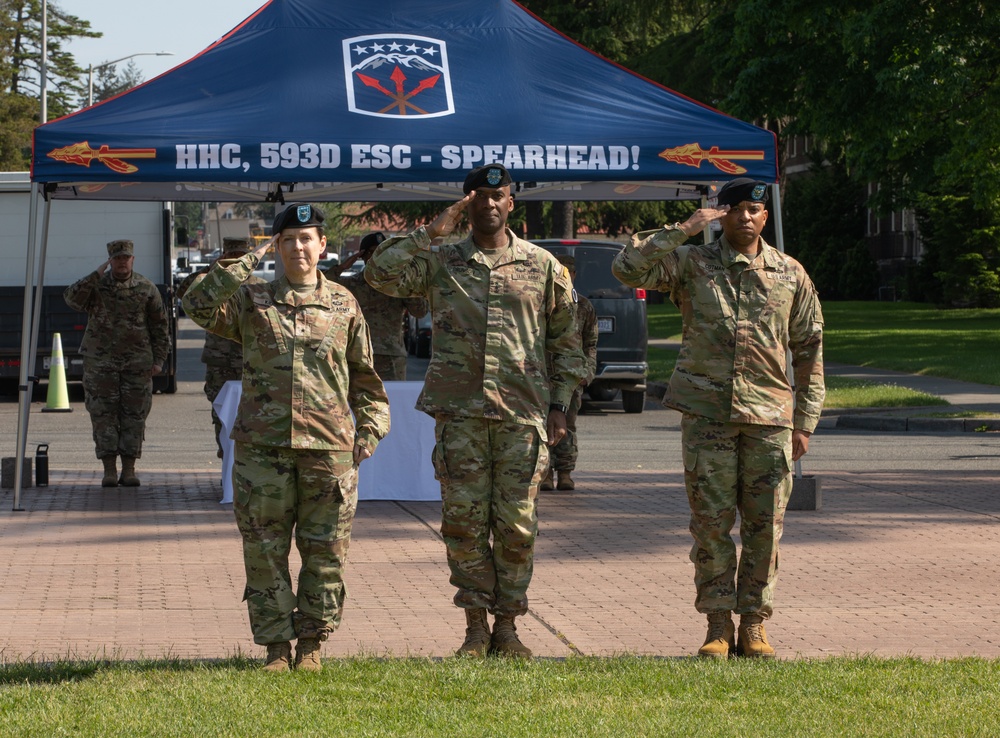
x,y
556,406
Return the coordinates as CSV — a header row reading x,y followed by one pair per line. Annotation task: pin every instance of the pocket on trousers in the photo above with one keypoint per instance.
x,y
690,459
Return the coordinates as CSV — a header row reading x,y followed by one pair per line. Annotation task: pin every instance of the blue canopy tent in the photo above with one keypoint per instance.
x,y
330,100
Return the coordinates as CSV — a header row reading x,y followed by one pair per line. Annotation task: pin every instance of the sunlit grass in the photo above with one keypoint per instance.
x,y
577,697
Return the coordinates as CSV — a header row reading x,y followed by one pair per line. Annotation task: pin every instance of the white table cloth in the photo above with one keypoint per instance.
x,y
401,467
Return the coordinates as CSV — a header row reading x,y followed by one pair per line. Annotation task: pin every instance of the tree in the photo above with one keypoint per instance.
x,y
908,88
108,82
20,72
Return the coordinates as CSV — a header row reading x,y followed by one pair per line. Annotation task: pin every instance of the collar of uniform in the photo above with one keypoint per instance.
x,y
285,294
770,258
470,252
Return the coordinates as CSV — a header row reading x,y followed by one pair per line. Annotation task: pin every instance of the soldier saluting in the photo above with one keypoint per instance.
x,y
124,346
498,306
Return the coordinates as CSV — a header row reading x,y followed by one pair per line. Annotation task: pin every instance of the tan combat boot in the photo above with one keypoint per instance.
x,y
110,471
753,638
505,640
477,634
128,477
279,657
307,655
565,482
721,638
546,484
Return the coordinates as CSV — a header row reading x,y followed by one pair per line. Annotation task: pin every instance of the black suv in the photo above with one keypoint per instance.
x,y
621,321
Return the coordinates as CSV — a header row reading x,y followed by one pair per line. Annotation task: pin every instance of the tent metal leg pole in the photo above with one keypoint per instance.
x,y
779,237
28,340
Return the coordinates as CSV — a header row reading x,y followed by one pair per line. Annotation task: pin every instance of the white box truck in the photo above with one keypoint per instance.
x,y
79,231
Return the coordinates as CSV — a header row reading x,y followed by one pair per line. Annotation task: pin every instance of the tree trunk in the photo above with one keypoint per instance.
x,y
562,219
534,221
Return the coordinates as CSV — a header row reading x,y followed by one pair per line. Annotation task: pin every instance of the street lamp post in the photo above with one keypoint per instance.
x,y
90,85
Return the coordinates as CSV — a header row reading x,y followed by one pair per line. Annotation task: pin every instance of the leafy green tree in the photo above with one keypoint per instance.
x,y
20,73
908,88
962,252
824,222
108,81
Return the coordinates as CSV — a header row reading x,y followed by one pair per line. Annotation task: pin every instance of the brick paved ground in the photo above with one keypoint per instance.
x,y
895,563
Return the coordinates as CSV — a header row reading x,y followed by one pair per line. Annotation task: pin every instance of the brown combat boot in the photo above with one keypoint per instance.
x,y
128,477
110,471
753,638
477,634
546,484
721,638
565,482
279,657
505,641
307,655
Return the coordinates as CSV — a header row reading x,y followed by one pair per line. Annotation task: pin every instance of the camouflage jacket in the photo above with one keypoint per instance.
x,y
307,359
586,325
491,327
126,321
218,351
741,318
384,314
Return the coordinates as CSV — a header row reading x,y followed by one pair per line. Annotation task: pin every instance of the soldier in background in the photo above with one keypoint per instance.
x,y
223,359
124,346
565,453
383,313
312,409
499,305
745,306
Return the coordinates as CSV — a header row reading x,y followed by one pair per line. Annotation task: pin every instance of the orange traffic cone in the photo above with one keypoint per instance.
x,y
57,400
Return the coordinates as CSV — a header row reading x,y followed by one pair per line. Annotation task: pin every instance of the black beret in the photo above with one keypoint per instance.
x,y
298,215
371,241
493,176
736,191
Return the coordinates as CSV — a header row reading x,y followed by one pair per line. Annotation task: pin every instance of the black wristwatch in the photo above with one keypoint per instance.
x,y
561,408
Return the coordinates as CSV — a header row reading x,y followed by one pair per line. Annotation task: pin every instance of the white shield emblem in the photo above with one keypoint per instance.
x,y
396,75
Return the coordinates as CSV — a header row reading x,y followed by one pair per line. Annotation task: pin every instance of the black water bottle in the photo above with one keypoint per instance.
x,y
42,465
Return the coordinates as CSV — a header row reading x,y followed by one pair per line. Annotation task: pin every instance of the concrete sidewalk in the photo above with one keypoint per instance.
x,y
900,563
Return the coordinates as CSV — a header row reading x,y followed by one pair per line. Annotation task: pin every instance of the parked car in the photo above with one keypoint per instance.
x,y
621,321
417,336
265,270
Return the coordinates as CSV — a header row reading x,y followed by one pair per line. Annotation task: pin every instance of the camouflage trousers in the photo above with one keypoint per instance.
x,y
215,377
118,402
390,368
730,468
565,453
489,472
279,490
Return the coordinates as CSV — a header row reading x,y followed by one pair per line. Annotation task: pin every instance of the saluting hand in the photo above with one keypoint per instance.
x,y
103,267
701,218
263,248
446,223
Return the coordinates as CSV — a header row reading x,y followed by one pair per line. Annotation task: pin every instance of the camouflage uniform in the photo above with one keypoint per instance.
x,y
384,315
223,359
741,317
127,335
489,392
565,453
307,367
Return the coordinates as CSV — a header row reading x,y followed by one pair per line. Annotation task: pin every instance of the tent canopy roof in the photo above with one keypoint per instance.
x,y
332,100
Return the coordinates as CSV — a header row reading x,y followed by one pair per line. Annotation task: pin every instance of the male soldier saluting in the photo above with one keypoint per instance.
x,y
124,346
384,314
498,305
745,306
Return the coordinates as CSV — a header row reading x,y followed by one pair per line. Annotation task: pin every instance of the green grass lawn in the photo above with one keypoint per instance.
x,y
904,336
578,697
